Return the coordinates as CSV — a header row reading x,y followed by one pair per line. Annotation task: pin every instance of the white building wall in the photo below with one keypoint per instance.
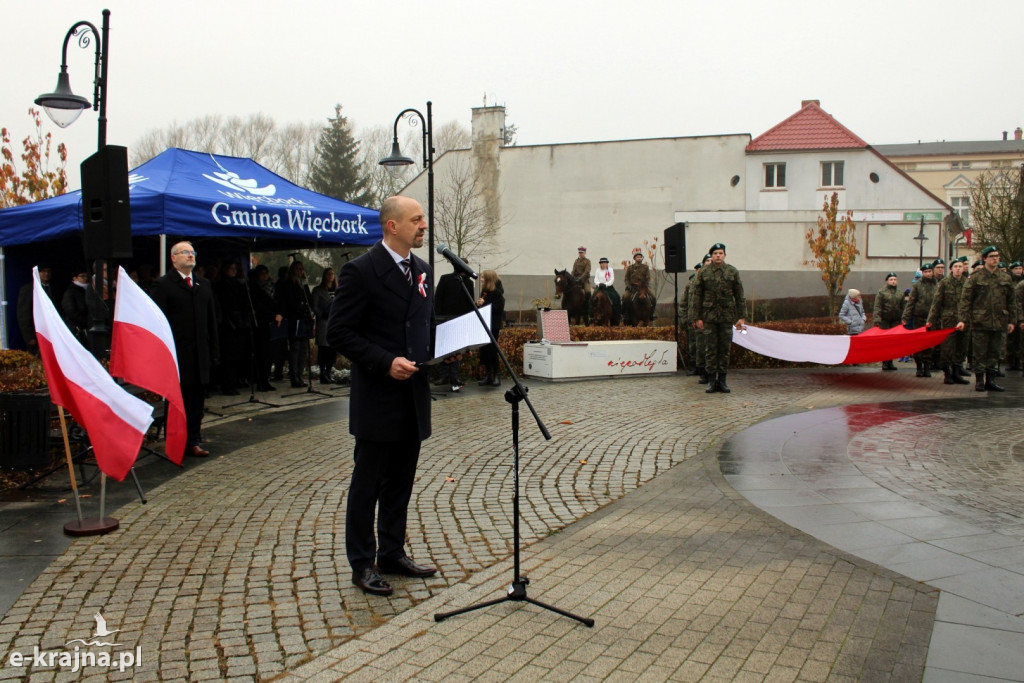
x,y
611,196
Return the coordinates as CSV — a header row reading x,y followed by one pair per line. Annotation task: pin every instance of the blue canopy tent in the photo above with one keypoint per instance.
x,y
192,195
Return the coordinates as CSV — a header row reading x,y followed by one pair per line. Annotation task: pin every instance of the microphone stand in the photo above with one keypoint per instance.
x,y
514,396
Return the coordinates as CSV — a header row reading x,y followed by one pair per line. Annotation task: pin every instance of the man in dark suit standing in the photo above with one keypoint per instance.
x,y
382,320
187,301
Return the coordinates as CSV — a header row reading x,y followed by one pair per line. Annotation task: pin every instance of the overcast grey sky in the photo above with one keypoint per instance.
x,y
890,70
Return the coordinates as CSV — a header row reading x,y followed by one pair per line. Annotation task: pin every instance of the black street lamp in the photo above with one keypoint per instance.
x,y
921,239
63,106
396,161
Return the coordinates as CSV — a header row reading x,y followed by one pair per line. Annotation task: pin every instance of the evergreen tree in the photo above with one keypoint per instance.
x,y
335,171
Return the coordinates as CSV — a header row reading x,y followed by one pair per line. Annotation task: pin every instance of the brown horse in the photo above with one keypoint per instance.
x,y
575,299
600,309
637,307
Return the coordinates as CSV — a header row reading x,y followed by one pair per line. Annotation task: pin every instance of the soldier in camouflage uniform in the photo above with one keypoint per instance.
x,y
938,270
699,348
718,305
990,304
887,310
684,317
915,313
943,315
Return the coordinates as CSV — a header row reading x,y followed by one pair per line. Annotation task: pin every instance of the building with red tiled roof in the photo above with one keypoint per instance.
x,y
758,195
811,128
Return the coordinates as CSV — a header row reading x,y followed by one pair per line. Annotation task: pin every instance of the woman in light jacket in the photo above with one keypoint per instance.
x,y
852,312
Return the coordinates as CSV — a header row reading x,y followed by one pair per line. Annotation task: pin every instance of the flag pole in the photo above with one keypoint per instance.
x,y
71,465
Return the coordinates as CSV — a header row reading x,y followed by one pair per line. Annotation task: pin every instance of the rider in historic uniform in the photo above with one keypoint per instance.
x,y
638,274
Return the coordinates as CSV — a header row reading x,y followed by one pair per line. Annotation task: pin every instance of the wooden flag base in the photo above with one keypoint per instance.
x,y
91,527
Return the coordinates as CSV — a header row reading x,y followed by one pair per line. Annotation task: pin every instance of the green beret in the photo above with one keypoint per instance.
x,y
1002,264
962,259
716,245
937,262
988,250
976,264
926,266
890,275
1016,264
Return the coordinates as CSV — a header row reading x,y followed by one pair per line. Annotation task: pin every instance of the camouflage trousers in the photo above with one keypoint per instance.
x,y
954,349
988,348
717,345
697,346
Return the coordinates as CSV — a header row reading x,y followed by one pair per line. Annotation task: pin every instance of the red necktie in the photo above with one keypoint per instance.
x,y
188,281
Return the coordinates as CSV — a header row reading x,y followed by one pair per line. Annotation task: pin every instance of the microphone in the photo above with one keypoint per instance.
x,y
457,263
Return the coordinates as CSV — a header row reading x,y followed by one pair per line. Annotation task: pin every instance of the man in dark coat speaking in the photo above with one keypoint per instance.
x,y
382,320
187,301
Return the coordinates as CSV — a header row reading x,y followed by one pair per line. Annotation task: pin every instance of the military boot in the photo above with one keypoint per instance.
x,y
712,384
925,371
947,375
702,375
959,371
956,379
990,385
887,366
979,381
722,386
920,369
998,373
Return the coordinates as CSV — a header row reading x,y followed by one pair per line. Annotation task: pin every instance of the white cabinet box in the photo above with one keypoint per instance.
x,y
592,360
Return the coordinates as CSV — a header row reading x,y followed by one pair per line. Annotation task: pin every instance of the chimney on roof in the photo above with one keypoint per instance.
x,y
1005,134
1018,134
804,103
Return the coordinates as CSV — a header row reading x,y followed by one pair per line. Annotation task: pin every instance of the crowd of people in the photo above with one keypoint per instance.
x,y
982,302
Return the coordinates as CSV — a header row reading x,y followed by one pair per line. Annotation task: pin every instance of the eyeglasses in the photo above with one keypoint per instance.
x,y
185,252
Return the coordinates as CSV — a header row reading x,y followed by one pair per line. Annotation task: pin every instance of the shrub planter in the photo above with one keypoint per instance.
x,y
24,430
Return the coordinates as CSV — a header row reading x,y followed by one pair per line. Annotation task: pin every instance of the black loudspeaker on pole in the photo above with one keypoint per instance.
x,y
106,212
675,248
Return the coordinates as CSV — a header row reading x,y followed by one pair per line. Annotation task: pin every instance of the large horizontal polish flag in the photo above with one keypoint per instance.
x,y
115,420
142,352
870,346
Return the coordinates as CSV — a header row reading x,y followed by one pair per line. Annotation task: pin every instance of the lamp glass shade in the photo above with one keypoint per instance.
x,y
63,106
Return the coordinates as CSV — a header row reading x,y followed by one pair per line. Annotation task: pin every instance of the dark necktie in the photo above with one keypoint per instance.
x,y
407,269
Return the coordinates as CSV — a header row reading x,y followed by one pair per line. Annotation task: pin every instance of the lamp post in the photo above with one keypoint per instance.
x,y
396,161
921,239
63,106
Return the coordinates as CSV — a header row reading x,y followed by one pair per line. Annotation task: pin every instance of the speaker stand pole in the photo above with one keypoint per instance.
x,y
515,395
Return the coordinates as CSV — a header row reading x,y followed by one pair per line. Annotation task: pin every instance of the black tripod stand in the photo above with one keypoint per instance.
x,y
515,395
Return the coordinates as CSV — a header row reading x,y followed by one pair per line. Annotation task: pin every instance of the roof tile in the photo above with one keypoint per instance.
x,y
810,128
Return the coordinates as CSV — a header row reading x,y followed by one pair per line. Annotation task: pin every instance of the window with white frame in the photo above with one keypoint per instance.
x,y
775,175
962,207
832,174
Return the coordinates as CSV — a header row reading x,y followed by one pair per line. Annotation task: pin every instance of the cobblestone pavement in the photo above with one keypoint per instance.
x,y
236,569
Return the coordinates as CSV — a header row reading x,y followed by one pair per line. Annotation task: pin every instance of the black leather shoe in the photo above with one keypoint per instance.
x,y
405,566
370,581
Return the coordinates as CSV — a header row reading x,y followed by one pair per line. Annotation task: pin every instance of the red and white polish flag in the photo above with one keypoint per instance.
x,y
142,352
115,420
871,346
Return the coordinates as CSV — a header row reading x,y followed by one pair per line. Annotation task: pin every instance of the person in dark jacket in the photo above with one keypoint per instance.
x,y
292,296
322,297
187,301
382,320
888,310
492,292
268,319
235,327
451,302
74,306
